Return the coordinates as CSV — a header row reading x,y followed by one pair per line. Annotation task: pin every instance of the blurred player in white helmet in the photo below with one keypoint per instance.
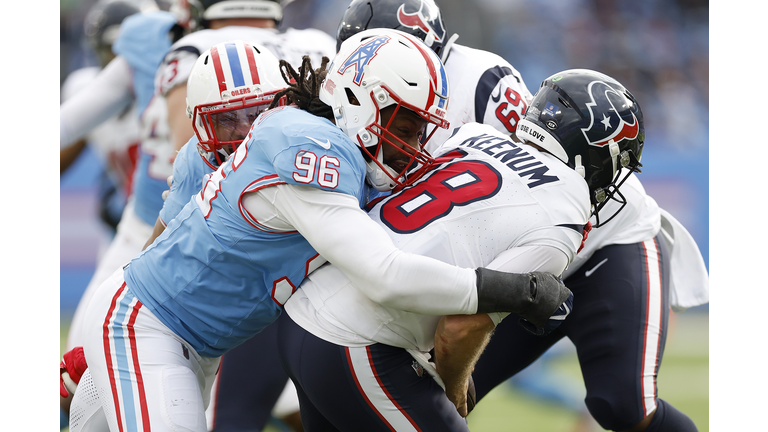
x,y
286,201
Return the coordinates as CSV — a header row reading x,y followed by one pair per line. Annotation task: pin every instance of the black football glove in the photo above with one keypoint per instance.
x,y
535,296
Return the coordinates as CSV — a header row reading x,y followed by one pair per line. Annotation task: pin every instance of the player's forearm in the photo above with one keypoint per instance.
x,y
344,235
459,341
109,94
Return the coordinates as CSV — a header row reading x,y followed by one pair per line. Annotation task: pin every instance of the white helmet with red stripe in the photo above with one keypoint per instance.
x,y
375,69
229,86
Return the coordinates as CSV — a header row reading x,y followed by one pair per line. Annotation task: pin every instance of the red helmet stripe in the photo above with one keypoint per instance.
x,y
412,20
430,65
219,71
252,64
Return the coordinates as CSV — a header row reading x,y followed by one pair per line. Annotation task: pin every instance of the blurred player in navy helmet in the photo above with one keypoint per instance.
x,y
630,271
288,199
420,18
491,90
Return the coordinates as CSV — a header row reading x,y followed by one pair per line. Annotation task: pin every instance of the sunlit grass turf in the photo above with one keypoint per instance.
x,y
683,381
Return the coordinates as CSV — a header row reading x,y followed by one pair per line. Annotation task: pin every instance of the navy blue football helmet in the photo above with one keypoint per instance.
x,y
420,18
102,23
592,123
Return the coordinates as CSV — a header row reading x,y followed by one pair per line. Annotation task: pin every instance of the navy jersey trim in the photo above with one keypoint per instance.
x,y
576,227
488,81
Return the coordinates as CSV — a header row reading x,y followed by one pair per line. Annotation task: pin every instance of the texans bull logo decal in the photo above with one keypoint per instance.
x,y
417,20
611,126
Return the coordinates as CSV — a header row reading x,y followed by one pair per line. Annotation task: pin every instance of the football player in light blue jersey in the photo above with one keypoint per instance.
x,y
288,199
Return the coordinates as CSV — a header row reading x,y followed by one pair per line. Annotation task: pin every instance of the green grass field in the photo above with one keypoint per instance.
x,y
683,381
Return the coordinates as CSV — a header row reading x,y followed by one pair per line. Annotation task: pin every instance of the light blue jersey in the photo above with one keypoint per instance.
x,y
189,168
143,41
216,277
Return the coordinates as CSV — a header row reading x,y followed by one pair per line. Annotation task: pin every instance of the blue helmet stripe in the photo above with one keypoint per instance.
x,y
234,65
444,89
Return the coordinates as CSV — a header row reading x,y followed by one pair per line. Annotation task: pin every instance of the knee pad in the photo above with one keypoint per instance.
x,y
183,399
667,418
610,414
86,413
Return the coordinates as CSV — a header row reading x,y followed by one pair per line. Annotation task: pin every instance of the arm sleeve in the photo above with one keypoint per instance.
x,y
109,94
526,259
344,235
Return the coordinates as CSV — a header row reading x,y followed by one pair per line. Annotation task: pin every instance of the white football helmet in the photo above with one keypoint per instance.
x,y
195,14
229,86
375,69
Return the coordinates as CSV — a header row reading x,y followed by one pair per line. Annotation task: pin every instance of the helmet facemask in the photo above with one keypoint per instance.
x,y
373,71
594,125
627,164
222,126
391,154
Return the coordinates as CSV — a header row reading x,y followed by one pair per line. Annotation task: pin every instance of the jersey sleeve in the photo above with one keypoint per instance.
x,y
188,172
143,41
320,157
175,68
501,97
104,97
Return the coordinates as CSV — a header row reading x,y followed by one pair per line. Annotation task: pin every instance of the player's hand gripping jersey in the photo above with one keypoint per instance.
x,y
487,200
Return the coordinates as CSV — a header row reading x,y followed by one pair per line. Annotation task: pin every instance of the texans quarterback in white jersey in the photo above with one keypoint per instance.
x,y
491,91
270,215
487,202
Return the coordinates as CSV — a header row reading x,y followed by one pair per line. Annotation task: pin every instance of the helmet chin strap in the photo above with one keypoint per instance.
x,y
447,47
614,149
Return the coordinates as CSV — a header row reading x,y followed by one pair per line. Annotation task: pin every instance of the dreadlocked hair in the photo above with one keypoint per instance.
x,y
304,87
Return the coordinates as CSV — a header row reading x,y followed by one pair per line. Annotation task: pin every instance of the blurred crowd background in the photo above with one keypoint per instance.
x,y
659,49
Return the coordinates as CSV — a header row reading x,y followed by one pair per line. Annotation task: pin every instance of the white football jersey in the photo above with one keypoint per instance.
x,y
638,221
290,46
484,88
487,196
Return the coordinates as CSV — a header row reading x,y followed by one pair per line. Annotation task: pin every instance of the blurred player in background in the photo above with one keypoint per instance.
x,y
486,88
142,42
114,134
621,279
116,140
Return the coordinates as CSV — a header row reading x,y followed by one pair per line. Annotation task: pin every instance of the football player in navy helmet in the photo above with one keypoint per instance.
x,y
592,123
